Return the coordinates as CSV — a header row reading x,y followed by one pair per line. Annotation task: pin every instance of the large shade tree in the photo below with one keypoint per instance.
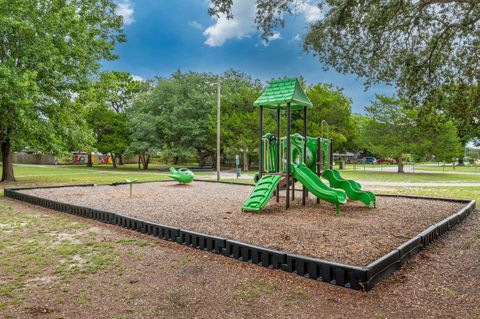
x,y
48,51
239,123
108,100
333,107
173,117
394,128
417,46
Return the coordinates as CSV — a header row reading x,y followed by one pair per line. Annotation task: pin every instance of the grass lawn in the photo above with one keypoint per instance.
x,y
361,175
44,175
466,192
448,168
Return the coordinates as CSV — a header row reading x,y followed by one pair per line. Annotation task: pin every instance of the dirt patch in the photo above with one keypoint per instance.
x,y
358,235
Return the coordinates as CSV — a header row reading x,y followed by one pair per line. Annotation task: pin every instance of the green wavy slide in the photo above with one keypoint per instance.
x,y
261,193
315,186
352,188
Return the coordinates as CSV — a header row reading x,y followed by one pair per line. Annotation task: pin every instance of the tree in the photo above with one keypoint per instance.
x,y
192,104
145,122
397,127
48,51
176,111
108,100
111,132
117,89
330,105
144,131
460,103
239,127
360,141
391,129
417,46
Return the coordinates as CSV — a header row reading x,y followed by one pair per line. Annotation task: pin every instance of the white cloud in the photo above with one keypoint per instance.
x,y
241,26
125,9
296,38
196,25
137,78
311,12
274,36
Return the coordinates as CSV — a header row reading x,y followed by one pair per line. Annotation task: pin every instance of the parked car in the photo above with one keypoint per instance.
x,y
386,161
367,160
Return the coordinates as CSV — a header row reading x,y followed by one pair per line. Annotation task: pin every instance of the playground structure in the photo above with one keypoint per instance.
x,y
182,175
283,161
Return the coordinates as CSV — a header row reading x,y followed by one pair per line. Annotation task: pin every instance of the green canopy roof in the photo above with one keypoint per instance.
x,y
279,93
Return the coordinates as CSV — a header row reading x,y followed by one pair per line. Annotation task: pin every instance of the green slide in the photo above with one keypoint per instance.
x,y
315,185
261,193
352,188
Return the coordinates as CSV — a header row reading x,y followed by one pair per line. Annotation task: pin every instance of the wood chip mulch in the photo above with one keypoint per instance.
x,y
357,236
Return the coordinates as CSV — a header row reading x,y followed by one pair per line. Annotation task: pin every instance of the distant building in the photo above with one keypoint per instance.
x,y
346,157
25,157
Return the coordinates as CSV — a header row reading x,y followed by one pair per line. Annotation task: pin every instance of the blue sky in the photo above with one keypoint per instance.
x,y
163,36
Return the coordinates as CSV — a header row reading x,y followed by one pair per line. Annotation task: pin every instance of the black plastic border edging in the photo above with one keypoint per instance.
x,y
359,278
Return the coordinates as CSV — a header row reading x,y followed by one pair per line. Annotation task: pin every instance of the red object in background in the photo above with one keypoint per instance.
x,y
386,161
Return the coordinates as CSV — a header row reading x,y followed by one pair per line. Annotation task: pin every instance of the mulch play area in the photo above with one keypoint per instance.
x,y
357,236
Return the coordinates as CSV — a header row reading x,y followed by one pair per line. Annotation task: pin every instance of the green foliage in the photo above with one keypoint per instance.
x,y
395,127
332,106
48,51
107,101
173,116
460,103
426,49
418,45
240,122
178,116
360,139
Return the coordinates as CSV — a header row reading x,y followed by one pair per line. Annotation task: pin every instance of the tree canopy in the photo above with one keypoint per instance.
x,y
107,101
394,128
48,52
427,49
415,45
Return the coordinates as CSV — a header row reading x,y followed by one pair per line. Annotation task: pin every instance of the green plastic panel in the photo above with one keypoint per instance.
x,y
316,186
261,193
352,188
278,93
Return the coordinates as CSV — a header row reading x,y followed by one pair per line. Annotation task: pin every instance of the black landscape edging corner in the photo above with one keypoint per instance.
x,y
390,262
353,277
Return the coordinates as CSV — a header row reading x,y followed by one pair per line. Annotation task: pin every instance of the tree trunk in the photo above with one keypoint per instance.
x,y
146,160
245,161
7,162
400,164
175,160
89,161
120,160
214,161
460,162
202,156
114,160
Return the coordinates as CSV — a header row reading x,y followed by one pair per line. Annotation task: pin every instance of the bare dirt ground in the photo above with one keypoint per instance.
x,y
143,277
357,236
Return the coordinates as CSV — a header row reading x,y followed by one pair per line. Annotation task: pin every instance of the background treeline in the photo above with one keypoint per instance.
x,y
174,119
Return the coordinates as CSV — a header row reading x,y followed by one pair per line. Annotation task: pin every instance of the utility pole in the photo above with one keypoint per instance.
x,y
218,128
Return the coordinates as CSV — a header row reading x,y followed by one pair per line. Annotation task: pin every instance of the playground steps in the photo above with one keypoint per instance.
x,y
261,193
351,188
